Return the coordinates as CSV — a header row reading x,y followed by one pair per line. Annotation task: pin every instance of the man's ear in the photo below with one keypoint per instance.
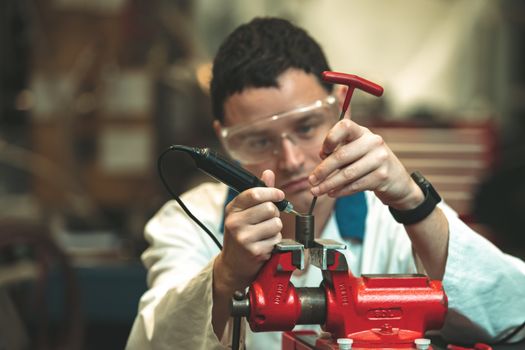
x,y
340,94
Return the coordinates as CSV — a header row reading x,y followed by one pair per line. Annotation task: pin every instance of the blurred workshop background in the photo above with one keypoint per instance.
x,y
92,91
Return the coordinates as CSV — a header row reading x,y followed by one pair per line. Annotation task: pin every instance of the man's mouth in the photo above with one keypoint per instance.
x,y
295,185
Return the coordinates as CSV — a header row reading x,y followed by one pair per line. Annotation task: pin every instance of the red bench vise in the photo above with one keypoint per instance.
x,y
375,311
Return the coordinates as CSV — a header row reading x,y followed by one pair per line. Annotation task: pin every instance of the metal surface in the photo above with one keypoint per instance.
x,y
240,306
296,248
305,230
236,332
321,255
313,305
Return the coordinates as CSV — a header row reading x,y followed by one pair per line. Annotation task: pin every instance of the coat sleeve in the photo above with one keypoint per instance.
x,y
180,320
175,312
484,286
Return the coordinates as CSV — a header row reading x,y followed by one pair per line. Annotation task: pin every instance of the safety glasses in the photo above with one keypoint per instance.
x,y
261,140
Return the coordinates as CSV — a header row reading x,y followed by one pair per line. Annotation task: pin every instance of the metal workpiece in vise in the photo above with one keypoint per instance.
x,y
371,311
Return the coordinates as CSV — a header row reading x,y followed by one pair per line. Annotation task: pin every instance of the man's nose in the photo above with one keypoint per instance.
x,y
291,157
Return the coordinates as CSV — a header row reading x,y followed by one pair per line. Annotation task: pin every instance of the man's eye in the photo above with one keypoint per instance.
x,y
305,129
308,126
258,144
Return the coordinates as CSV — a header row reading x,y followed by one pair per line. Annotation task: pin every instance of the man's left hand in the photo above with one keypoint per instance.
x,y
355,160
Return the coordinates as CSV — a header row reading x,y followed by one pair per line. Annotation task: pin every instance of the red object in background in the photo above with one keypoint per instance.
x,y
375,311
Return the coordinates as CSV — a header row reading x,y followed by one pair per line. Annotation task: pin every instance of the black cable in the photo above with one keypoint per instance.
x,y
511,334
177,198
236,332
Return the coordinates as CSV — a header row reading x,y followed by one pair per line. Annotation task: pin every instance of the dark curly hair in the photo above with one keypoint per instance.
x,y
256,53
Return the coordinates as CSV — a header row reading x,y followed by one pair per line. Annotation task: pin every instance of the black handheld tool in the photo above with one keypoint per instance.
x,y
229,173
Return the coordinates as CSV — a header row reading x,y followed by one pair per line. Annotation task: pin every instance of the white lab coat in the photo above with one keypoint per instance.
x,y
485,287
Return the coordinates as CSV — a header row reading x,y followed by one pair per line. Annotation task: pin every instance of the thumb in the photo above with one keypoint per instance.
x,y
268,177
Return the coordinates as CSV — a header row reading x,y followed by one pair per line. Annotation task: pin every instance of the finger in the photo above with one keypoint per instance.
x,y
262,250
253,215
344,177
371,162
254,196
260,232
268,177
344,155
344,130
369,181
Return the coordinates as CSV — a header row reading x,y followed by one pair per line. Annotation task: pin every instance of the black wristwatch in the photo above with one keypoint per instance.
x,y
432,198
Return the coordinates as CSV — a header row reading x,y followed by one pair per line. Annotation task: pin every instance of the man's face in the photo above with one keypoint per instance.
x,y
294,161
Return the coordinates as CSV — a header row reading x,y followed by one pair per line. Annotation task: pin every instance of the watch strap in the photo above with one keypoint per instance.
x,y
412,216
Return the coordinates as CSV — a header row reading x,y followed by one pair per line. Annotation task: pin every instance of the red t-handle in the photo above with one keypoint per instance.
x,y
352,81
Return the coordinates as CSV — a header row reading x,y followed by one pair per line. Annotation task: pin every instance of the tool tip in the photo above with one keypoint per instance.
x,y
312,205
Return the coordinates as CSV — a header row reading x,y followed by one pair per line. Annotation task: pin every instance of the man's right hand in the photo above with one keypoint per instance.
x,y
252,227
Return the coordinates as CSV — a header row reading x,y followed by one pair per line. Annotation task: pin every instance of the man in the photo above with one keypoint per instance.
x,y
278,119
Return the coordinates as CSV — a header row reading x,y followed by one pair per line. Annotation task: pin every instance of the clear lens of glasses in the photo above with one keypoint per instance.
x,y
261,140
